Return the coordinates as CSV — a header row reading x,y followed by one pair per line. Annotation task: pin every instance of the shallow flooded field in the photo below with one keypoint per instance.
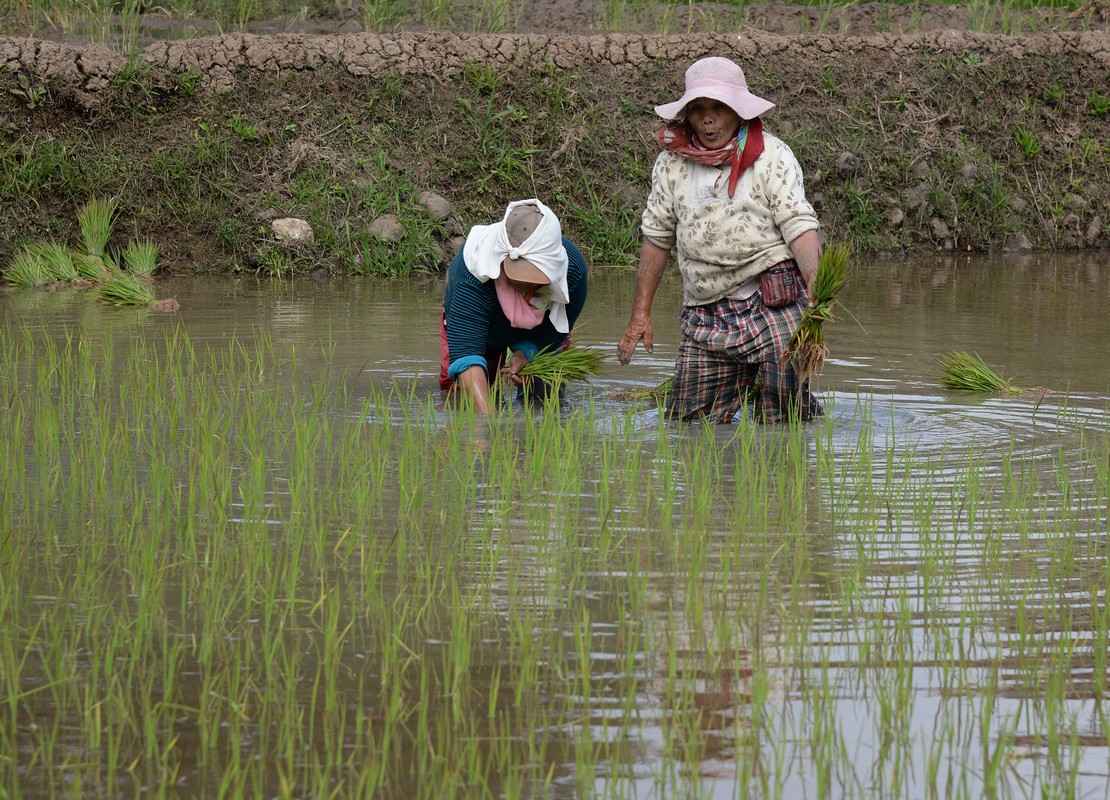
x,y
245,549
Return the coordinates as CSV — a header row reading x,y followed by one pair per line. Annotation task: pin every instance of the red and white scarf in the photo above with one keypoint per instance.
x,y
740,153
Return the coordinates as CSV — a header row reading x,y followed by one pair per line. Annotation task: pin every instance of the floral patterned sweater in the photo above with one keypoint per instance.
x,y
721,243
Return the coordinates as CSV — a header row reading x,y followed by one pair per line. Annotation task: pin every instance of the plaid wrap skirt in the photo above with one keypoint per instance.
x,y
731,352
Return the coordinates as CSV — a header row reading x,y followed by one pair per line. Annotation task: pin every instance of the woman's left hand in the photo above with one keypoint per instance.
x,y
516,361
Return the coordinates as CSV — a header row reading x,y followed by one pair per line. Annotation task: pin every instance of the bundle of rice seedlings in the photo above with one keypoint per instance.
x,y
141,257
657,394
806,347
57,261
95,219
968,372
122,289
557,367
90,268
27,269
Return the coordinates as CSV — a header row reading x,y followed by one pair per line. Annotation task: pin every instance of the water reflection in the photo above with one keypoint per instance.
x,y
1037,318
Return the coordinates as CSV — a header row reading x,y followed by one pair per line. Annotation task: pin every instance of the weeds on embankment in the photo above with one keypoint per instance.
x,y
223,573
120,24
484,133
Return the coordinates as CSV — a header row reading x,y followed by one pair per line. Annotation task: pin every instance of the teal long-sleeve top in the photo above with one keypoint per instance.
x,y
476,324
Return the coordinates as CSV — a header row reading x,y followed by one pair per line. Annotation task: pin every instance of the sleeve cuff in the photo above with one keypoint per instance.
x,y
527,348
792,228
661,240
461,365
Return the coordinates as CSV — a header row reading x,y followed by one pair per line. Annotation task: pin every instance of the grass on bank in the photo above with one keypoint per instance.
x,y
302,581
118,24
535,131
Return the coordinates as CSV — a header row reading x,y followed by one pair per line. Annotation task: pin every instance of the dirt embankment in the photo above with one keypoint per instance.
x,y
937,140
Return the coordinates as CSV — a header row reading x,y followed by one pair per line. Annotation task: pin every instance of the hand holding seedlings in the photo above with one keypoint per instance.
x,y
517,285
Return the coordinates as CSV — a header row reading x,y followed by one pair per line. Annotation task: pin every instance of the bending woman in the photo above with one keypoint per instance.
x,y
517,285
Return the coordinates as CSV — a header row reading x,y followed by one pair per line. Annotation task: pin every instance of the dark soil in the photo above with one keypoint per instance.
x,y
941,139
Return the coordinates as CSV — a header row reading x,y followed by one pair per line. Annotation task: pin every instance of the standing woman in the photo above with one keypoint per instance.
x,y
728,199
517,285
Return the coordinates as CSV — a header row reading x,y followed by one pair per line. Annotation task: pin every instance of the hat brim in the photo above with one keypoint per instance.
x,y
743,102
524,271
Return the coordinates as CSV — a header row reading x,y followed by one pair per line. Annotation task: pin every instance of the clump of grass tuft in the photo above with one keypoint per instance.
x,y
807,346
57,261
969,373
557,367
122,289
27,269
141,257
96,218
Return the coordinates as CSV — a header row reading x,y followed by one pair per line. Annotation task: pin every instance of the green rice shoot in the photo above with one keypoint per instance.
x,y
123,289
141,257
967,372
57,261
807,346
27,269
95,219
403,589
562,366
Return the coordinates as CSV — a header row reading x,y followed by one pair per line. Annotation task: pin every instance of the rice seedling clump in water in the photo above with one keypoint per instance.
x,y
122,289
807,346
562,366
90,268
95,220
57,261
657,394
27,269
141,257
968,372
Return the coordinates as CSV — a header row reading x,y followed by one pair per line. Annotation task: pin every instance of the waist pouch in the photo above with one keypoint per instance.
x,y
781,285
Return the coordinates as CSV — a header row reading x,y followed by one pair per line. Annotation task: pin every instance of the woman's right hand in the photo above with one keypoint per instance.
x,y
639,330
516,361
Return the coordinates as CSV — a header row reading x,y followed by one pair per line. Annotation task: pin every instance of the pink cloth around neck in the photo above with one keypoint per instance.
x,y
520,312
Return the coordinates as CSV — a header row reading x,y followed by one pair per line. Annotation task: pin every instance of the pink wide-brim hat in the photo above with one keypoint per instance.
x,y
717,79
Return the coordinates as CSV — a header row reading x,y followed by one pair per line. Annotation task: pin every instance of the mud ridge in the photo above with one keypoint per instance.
x,y
219,60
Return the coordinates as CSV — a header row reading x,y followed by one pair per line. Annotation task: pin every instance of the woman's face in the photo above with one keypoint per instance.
x,y
714,122
525,288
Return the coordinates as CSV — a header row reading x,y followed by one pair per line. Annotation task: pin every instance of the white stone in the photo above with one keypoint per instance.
x,y
291,229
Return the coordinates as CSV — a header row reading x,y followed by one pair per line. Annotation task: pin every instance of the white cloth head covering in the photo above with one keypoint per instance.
x,y
488,245
717,79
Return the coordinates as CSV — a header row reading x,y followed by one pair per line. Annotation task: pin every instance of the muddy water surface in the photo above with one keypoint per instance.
x,y
947,635
1039,319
